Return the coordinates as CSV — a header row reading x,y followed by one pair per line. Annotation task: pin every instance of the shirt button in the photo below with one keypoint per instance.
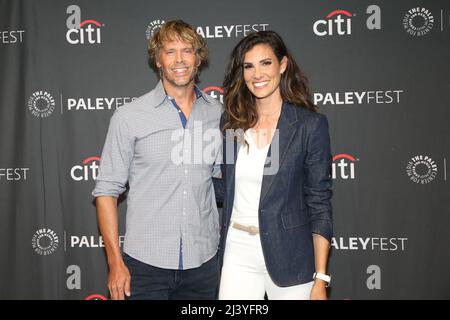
x,y
185,192
185,171
179,111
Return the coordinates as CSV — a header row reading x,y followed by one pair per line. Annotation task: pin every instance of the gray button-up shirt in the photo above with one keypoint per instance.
x,y
169,170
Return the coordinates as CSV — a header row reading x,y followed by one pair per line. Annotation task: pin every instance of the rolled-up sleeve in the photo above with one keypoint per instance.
x,y
116,158
318,177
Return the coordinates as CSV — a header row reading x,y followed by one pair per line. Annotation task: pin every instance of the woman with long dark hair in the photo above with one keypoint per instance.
x,y
277,221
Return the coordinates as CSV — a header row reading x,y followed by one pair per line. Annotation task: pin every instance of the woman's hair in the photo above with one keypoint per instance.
x,y
239,102
177,30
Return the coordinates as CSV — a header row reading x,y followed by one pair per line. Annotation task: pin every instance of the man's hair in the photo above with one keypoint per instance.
x,y
177,30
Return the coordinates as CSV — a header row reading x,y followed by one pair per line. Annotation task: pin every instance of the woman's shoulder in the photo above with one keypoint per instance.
x,y
305,115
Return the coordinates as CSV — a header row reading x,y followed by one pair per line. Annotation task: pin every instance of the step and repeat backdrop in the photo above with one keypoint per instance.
x,y
379,70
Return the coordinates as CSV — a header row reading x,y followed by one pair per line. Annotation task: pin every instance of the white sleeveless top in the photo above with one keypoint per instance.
x,y
248,178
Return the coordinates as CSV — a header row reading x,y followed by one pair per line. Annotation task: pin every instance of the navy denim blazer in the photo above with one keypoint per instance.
x,y
295,202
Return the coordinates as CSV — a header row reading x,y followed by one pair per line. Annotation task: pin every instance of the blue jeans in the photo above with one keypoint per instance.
x,y
152,283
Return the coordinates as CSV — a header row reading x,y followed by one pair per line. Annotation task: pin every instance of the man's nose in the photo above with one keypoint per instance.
x,y
179,56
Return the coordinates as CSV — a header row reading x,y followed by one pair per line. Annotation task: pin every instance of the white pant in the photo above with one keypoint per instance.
x,y
244,273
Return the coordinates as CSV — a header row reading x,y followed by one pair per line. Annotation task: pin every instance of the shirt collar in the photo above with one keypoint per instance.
x,y
161,95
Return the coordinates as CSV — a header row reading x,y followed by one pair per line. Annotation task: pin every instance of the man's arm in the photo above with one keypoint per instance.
x,y
110,183
119,276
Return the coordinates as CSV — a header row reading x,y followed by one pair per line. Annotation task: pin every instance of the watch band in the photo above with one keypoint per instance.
x,y
322,276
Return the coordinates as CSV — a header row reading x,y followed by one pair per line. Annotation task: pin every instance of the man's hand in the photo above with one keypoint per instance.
x,y
119,281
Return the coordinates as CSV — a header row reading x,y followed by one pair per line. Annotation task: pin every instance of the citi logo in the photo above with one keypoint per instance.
x,y
82,32
339,22
343,166
214,92
96,297
337,25
87,171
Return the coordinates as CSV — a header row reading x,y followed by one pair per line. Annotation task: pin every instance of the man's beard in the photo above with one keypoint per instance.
x,y
173,81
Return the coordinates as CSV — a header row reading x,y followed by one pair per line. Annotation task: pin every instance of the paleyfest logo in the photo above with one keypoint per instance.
x,y
42,104
213,31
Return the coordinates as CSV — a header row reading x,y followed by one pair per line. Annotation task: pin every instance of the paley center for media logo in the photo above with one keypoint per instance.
x,y
343,167
87,170
422,169
45,241
421,21
88,31
42,103
418,21
213,32
339,22
153,27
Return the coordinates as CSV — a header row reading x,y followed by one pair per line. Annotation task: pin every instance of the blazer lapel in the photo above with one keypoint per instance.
x,y
284,134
